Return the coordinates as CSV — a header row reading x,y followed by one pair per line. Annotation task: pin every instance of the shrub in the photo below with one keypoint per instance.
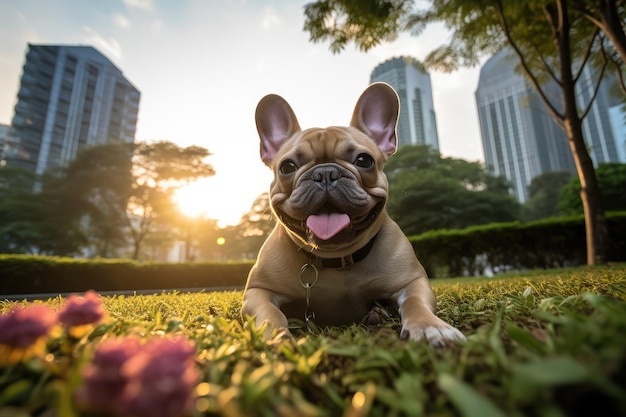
x,y
539,244
24,274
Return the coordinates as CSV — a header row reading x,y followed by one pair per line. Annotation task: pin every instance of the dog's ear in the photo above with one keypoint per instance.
x,y
275,122
376,115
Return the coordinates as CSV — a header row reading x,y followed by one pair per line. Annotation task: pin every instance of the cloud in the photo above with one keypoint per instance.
x,y
270,18
108,46
157,24
260,64
121,21
147,5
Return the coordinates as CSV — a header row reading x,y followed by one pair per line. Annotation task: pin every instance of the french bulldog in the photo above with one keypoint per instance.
x,y
334,251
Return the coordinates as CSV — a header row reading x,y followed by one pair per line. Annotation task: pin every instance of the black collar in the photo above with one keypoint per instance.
x,y
345,261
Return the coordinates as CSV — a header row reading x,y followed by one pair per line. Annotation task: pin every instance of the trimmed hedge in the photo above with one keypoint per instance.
x,y
25,274
541,244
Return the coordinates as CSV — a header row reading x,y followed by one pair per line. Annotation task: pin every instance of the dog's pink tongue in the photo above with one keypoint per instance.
x,y
325,226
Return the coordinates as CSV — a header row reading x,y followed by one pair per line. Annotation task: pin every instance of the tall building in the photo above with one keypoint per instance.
x,y
4,132
520,138
70,97
417,124
618,122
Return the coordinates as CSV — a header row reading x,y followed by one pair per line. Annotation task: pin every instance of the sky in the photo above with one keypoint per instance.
x,y
203,65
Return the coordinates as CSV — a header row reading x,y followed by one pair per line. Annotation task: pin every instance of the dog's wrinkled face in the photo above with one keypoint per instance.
x,y
329,187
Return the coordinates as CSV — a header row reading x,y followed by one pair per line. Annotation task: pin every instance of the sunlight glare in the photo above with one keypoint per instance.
x,y
189,201
203,198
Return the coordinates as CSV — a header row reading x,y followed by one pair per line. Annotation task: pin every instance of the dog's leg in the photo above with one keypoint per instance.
x,y
417,306
262,304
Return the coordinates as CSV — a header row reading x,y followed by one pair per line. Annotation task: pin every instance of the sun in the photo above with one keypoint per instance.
x,y
190,202
212,199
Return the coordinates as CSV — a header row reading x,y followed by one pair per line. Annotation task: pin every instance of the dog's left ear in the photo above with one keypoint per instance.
x,y
376,115
275,122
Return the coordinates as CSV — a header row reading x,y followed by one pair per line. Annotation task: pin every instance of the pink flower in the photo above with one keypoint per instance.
x,y
103,383
161,379
80,311
23,332
22,327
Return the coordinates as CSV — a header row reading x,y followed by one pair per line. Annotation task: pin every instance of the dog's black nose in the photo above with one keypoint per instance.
x,y
326,176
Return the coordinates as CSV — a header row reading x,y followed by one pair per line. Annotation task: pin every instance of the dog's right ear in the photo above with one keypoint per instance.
x,y
275,122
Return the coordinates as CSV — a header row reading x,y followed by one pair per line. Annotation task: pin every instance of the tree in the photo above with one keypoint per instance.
x,y
255,226
108,193
100,178
551,40
543,195
60,218
20,227
259,221
201,239
35,216
158,168
428,192
612,181
366,23
608,16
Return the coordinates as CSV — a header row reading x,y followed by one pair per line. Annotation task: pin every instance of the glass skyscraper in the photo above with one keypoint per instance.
x,y
4,132
70,97
417,124
520,138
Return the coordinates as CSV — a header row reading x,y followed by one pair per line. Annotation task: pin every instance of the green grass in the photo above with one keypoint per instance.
x,y
547,343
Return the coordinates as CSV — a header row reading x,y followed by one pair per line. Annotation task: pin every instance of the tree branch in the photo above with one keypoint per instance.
x,y
550,20
598,82
620,76
546,65
524,65
586,13
596,31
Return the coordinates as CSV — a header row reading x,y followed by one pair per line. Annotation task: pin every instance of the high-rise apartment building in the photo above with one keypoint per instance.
x,y
417,124
70,97
520,138
4,132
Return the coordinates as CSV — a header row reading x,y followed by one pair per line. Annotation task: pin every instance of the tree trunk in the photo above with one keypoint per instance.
x,y
596,231
137,247
188,245
595,222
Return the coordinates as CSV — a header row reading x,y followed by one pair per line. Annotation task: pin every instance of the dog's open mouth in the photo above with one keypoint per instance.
x,y
329,223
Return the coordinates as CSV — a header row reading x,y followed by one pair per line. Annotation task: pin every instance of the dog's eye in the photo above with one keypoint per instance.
x,y
287,167
364,161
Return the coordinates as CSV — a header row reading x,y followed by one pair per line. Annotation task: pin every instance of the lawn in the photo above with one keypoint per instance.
x,y
546,343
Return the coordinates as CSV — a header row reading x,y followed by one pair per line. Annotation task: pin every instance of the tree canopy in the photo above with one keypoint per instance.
x,y
110,199
427,192
612,180
543,195
158,168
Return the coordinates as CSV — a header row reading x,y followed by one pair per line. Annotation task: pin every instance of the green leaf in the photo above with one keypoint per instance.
x,y
466,399
524,338
542,374
14,391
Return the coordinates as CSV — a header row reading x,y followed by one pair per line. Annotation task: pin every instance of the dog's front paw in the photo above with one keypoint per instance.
x,y
438,333
376,316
